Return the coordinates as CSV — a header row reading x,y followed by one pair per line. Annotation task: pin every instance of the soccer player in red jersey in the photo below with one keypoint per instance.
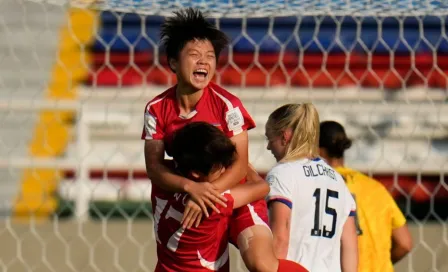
x,y
192,46
201,152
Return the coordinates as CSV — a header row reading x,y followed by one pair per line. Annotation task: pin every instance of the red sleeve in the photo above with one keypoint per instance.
x,y
227,211
237,119
153,124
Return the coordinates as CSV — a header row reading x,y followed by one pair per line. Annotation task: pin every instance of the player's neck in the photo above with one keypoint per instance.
x,y
336,162
187,98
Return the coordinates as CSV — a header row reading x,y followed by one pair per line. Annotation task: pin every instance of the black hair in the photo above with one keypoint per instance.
x,y
334,139
188,25
201,147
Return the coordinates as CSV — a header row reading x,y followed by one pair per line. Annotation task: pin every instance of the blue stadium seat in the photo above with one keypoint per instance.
x,y
310,34
130,34
112,18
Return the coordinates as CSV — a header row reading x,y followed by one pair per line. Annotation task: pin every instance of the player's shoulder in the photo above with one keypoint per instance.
x,y
223,96
227,194
277,169
360,178
158,100
281,171
230,201
374,185
223,211
356,179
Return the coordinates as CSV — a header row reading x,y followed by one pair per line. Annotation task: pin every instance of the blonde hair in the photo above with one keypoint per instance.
x,y
303,120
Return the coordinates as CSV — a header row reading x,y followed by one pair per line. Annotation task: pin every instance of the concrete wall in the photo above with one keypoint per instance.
x,y
129,246
28,47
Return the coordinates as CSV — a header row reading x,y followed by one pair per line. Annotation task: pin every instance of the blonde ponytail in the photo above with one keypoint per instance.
x,y
303,120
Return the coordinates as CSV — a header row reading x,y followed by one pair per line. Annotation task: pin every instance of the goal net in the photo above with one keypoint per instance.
x,y
75,77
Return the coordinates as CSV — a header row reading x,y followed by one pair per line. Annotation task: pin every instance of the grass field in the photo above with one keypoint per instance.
x,y
120,245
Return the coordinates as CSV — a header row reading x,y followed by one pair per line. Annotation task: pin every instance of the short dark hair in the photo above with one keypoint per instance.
x,y
188,25
201,147
334,139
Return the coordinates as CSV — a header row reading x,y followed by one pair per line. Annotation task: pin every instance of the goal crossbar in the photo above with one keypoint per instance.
x,y
256,8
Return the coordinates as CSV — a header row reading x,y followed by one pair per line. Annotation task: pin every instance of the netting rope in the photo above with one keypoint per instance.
x,y
258,8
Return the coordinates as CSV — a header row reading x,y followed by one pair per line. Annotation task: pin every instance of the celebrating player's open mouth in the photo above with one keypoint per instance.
x,y
200,74
200,78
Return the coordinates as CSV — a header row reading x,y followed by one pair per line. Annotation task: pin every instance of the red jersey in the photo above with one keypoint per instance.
x,y
204,248
216,106
162,118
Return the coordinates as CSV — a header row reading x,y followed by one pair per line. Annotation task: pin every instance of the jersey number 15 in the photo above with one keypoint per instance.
x,y
317,231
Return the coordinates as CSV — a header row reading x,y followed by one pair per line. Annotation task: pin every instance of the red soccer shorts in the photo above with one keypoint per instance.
x,y
255,213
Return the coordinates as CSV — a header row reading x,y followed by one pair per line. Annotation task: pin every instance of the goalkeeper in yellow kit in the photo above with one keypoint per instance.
x,y
383,236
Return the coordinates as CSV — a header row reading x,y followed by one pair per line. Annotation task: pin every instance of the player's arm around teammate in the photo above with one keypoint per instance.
x,y
195,147
293,134
164,178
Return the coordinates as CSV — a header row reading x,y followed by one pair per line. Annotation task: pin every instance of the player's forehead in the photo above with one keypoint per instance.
x,y
268,131
204,46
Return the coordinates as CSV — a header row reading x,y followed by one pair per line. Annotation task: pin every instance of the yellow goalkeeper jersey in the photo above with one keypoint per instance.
x,y
377,215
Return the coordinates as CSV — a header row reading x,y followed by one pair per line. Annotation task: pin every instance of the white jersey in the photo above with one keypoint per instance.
x,y
320,204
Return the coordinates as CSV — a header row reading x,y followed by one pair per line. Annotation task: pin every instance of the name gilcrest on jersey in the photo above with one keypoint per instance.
x,y
319,170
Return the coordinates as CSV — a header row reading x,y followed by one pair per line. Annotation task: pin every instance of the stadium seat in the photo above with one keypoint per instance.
x,y
110,174
282,46
419,190
312,70
109,18
289,59
401,186
253,76
122,58
130,75
314,34
129,37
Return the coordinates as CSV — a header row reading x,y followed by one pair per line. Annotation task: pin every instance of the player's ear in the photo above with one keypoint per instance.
x,y
173,64
195,175
286,136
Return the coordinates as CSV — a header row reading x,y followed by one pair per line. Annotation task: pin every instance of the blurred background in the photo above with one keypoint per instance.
x,y
75,78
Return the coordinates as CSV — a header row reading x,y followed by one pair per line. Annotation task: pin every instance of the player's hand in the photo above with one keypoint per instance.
x,y
205,194
192,215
